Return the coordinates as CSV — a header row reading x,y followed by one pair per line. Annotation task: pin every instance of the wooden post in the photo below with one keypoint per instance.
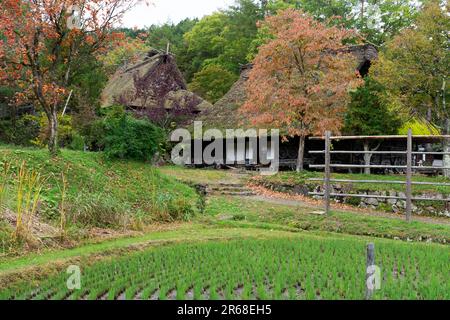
x,y
327,181
369,270
409,177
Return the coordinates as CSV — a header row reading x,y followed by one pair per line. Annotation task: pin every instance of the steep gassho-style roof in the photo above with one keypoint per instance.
x,y
225,113
165,84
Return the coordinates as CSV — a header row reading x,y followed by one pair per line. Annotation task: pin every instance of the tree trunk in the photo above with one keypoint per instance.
x,y
53,131
363,2
301,154
367,156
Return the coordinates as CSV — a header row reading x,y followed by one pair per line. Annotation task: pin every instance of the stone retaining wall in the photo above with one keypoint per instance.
x,y
428,208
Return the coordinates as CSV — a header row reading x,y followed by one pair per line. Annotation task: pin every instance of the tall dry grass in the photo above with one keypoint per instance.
x,y
62,209
28,192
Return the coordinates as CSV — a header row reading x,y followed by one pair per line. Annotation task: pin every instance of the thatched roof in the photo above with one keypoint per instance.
x,y
225,115
153,81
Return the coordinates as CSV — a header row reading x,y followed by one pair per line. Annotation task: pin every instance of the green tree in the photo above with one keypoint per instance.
x,y
368,115
160,35
377,20
212,82
414,68
224,38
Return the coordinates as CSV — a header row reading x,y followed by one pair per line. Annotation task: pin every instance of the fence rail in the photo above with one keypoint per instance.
x,y
327,166
362,166
381,152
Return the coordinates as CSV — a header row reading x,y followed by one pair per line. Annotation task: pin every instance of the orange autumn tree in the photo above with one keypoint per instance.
x,y
42,41
301,77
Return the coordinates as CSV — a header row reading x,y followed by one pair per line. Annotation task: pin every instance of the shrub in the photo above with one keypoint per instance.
x,y
65,130
20,132
129,138
77,143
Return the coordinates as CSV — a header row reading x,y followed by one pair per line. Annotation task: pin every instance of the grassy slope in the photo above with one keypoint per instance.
x,y
98,189
294,178
253,213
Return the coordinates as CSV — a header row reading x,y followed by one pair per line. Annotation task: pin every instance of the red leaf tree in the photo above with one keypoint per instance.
x,y
301,77
41,42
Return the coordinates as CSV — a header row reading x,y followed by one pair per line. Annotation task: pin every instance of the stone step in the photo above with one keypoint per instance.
x,y
225,189
242,194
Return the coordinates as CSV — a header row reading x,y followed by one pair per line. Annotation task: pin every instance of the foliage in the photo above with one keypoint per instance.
x,y
376,20
130,138
299,88
212,82
22,131
224,38
40,50
415,64
293,84
367,114
256,269
419,127
160,35
126,52
66,130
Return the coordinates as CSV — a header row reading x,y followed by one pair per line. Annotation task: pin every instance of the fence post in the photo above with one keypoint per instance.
x,y
327,172
369,270
409,177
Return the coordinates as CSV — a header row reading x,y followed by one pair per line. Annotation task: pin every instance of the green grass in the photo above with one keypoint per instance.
x,y
201,176
298,267
244,211
295,178
101,192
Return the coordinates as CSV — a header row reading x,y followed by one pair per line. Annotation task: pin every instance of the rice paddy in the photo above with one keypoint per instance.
x,y
303,268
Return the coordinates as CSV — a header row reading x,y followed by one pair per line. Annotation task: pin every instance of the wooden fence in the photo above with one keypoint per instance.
x,y
328,166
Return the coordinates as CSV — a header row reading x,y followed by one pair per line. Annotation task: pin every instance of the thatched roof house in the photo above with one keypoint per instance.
x,y
154,81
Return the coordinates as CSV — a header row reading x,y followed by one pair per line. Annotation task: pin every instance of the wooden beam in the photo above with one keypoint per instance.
x,y
436,137
378,152
327,171
362,166
409,177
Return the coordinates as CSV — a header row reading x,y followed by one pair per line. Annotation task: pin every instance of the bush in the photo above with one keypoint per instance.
x,y
20,132
65,130
129,138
